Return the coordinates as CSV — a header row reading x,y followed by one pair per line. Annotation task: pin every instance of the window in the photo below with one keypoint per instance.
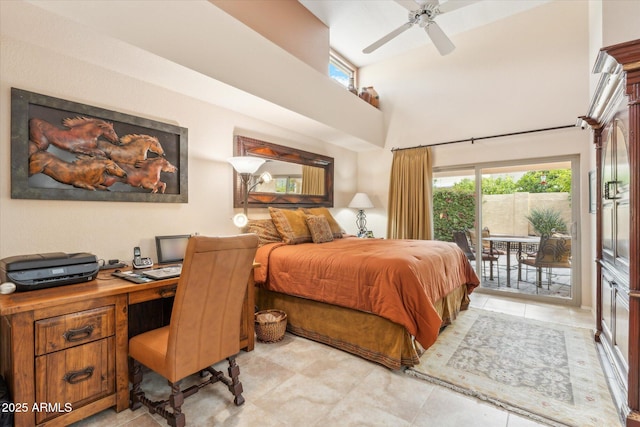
x,y
342,70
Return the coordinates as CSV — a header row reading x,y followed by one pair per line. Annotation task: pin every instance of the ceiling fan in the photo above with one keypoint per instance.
x,y
424,17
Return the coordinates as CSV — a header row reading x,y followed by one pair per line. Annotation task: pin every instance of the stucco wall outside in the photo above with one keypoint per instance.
x,y
507,213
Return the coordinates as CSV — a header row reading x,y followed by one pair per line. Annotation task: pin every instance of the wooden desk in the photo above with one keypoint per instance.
x,y
64,350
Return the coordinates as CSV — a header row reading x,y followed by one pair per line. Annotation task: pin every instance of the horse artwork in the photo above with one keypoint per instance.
x,y
90,173
81,136
133,148
63,150
146,174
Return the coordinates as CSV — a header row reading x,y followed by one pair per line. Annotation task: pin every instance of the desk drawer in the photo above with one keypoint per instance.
x,y
151,294
69,378
58,333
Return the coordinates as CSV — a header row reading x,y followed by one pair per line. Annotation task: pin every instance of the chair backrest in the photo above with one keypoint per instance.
x,y
485,233
205,320
554,251
460,238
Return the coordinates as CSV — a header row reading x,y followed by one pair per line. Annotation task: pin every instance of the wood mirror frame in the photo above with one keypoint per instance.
x,y
245,146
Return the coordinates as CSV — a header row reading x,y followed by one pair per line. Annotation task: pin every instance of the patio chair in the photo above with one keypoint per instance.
x,y
487,247
553,252
460,238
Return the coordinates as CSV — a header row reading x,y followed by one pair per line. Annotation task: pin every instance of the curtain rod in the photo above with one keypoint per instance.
x,y
472,139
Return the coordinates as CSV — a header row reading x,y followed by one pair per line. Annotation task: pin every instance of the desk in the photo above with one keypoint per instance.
x,y
64,350
509,240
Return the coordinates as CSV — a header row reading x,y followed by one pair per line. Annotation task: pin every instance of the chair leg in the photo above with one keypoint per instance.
x,y
135,376
177,418
235,386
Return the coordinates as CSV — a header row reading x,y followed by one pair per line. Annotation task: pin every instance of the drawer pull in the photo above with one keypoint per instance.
x,y
167,293
73,335
75,377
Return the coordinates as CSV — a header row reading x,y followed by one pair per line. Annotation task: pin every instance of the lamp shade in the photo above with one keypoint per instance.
x,y
361,201
246,164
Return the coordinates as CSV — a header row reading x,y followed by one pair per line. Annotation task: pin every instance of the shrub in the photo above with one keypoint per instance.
x,y
547,221
452,211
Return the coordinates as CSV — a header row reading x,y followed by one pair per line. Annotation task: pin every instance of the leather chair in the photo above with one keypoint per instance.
x,y
204,327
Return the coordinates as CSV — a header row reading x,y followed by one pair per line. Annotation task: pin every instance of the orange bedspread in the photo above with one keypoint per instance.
x,y
395,279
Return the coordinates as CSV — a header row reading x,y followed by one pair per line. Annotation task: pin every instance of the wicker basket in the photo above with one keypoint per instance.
x,y
270,325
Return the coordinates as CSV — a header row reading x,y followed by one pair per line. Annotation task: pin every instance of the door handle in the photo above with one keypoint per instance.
x,y
611,190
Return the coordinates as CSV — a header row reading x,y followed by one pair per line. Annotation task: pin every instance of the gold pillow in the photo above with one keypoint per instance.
x,y
291,225
336,230
320,230
265,229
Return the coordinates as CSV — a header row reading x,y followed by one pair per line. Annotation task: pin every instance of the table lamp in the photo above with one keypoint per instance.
x,y
361,202
246,166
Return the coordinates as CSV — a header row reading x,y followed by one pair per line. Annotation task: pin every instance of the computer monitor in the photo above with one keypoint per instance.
x,y
171,248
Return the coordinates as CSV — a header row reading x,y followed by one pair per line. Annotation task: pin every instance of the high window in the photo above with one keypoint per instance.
x,y
342,70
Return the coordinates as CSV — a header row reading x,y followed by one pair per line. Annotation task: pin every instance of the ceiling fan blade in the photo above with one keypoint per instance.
x,y
387,38
443,5
448,6
413,4
439,38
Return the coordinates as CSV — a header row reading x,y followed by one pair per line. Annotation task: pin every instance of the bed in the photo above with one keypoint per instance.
x,y
383,300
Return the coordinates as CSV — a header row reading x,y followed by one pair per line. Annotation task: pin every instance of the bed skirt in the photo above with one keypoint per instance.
x,y
363,334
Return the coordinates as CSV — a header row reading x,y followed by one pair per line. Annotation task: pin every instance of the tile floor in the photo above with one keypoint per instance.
x,y
297,382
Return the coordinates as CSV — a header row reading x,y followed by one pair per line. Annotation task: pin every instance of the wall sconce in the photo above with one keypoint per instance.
x,y
361,201
246,166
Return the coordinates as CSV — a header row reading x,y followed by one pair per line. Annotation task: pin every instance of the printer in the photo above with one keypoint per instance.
x,y
30,272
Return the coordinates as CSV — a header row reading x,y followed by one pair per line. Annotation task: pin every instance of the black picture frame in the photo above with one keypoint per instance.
x,y
38,183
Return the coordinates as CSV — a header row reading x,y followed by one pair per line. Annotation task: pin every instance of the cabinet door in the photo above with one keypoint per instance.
x,y
608,319
69,378
608,177
615,201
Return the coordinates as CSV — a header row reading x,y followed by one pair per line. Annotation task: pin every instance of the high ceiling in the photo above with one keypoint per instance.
x,y
355,24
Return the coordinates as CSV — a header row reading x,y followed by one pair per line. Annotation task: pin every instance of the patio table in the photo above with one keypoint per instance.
x,y
509,240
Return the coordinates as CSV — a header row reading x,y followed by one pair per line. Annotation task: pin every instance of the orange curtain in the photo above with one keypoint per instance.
x,y
410,195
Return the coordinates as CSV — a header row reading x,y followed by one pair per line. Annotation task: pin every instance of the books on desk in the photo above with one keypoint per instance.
x,y
150,275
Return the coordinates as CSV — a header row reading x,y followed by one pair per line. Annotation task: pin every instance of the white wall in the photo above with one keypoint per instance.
x,y
111,229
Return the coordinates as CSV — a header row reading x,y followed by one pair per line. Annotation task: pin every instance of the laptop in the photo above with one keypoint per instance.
x,y
163,272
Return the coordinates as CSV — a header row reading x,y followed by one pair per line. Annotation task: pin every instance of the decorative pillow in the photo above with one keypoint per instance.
x,y
291,225
336,230
320,229
265,229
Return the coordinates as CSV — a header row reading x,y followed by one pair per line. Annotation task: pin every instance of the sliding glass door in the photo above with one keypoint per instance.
x,y
519,220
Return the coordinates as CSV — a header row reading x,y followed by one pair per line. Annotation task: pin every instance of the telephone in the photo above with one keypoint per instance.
x,y
140,261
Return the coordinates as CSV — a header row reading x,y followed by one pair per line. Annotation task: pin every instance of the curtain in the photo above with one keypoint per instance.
x,y
312,180
410,195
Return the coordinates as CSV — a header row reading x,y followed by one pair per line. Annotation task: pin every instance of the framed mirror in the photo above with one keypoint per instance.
x,y
299,178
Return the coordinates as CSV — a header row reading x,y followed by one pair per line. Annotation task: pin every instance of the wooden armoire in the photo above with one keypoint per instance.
x,y
614,116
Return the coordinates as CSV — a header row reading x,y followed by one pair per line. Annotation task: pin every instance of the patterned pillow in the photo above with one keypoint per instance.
x,y
336,230
320,229
291,225
265,229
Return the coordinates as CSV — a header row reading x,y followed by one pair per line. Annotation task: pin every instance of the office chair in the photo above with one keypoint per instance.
x,y
204,327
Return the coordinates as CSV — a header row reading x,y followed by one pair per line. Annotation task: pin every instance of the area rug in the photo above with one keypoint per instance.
x,y
548,372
